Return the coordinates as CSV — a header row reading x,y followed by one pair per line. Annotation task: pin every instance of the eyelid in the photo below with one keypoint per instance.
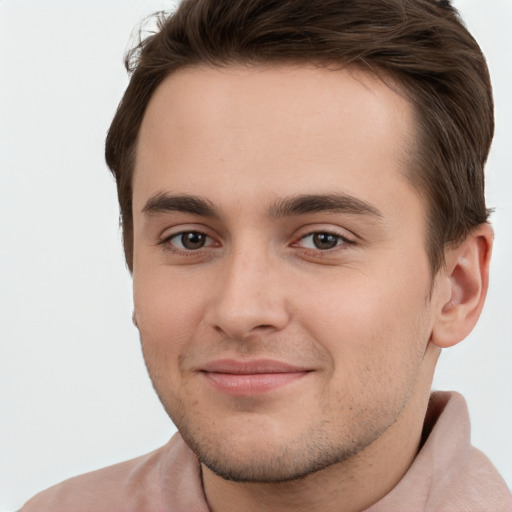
x,y
177,229
345,237
167,235
340,242
337,231
178,235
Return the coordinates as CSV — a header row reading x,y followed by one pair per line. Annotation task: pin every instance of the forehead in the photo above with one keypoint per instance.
x,y
293,126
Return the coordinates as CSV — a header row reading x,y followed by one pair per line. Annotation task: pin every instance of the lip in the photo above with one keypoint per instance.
x,y
245,378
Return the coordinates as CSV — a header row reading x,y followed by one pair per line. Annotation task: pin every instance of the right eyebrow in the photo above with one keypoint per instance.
x,y
162,202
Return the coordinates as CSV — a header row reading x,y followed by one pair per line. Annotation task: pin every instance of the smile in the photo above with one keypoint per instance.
x,y
239,378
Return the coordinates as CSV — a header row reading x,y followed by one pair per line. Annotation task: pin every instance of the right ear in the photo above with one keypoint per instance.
x,y
134,319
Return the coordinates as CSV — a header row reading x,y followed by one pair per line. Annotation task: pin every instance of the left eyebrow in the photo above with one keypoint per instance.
x,y
338,203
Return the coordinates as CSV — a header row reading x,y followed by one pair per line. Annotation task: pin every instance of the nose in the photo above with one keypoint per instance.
x,y
251,296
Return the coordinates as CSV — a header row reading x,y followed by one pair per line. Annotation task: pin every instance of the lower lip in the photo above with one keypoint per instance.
x,y
251,384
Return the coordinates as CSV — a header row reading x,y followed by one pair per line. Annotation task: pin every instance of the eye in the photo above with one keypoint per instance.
x,y
189,240
322,241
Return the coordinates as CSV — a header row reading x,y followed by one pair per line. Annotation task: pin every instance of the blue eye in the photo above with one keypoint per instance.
x,y
322,241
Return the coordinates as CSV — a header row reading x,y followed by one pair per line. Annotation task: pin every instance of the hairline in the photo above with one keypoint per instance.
x,y
411,157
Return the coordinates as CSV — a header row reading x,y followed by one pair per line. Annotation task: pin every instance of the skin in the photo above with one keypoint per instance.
x,y
360,316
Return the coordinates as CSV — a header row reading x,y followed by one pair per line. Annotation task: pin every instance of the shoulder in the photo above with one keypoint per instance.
x,y
461,474
448,474
133,485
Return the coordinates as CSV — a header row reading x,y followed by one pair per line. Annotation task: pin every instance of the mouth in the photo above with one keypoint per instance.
x,y
245,378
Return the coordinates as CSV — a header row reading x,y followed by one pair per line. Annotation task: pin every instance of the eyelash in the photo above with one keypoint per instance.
x,y
341,242
166,241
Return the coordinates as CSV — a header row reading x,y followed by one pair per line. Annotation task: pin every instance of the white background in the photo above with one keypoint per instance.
x,y
74,394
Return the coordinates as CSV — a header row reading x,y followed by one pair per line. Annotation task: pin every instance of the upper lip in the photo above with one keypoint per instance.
x,y
257,366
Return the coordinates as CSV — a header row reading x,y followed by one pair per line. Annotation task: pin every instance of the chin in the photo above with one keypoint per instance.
x,y
265,467
254,460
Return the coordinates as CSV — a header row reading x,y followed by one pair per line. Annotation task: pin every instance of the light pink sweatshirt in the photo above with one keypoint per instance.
x,y
448,475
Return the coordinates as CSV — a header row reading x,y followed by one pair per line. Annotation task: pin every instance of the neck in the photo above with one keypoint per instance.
x,y
348,486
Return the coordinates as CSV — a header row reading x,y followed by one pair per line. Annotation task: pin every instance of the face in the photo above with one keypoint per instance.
x,y
281,280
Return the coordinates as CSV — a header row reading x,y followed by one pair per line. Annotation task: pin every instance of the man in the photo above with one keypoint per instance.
x,y
302,196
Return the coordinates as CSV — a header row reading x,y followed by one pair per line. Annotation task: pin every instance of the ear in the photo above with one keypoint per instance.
x,y
134,319
461,287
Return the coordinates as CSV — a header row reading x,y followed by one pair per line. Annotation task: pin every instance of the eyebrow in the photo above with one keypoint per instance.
x,y
161,202
313,203
286,207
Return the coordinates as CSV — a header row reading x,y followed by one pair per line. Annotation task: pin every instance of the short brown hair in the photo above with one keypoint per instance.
x,y
421,44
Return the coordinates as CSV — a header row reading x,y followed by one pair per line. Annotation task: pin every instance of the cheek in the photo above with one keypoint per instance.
x,y
373,328
168,313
